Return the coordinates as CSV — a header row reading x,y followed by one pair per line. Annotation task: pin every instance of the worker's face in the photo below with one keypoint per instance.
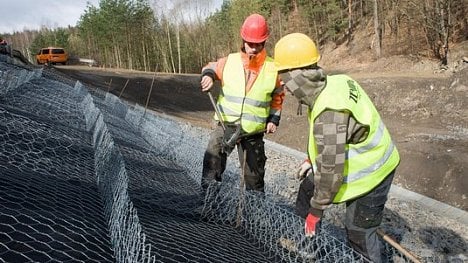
x,y
252,49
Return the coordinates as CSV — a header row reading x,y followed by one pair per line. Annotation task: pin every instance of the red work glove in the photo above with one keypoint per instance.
x,y
311,223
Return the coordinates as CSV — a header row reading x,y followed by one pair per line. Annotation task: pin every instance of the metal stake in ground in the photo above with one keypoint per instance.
x,y
240,206
241,203
122,91
215,107
150,91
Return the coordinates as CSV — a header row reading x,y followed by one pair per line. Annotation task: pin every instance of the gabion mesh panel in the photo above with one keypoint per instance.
x,y
87,177
50,206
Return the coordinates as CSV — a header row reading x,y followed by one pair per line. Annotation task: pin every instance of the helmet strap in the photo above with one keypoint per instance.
x,y
299,109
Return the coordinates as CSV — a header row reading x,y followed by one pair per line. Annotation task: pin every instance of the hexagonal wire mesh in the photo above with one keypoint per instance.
x,y
86,177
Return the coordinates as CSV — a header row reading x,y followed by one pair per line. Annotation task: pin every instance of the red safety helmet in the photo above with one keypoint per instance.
x,y
254,29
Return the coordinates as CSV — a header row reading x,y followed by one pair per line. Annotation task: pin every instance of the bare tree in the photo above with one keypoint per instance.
x,y
435,18
350,20
377,30
442,8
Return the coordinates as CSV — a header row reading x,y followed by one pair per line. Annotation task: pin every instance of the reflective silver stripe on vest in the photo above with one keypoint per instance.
x,y
253,118
359,174
226,111
248,101
245,116
365,148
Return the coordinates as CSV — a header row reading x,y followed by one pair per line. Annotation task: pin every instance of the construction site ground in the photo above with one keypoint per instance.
x,y
425,109
426,113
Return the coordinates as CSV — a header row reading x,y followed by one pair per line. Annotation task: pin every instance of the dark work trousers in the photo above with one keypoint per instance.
x,y
214,160
363,216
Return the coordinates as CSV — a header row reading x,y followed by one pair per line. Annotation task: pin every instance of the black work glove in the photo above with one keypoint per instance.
x,y
306,192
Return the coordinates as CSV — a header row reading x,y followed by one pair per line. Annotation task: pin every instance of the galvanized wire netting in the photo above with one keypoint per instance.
x,y
50,205
87,177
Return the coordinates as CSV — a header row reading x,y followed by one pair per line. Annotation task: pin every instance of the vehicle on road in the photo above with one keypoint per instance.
x,y
52,55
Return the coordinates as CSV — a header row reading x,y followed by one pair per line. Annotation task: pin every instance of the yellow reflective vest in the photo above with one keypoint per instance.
x,y
251,110
369,162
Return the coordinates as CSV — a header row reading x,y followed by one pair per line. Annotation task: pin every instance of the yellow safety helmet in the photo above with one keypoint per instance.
x,y
295,50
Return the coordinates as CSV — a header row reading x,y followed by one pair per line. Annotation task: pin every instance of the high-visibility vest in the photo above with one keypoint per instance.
x,y
369,162
250,109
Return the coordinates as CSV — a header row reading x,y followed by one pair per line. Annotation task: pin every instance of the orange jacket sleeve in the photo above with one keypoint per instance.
x,y
215,69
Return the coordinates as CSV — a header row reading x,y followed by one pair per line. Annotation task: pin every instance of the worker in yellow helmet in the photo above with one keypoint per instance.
x,y
351,157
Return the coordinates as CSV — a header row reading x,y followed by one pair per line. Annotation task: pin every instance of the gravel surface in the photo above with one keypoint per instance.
x,y
428,229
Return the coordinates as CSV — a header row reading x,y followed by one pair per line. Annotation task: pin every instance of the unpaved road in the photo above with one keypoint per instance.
x,y
427,115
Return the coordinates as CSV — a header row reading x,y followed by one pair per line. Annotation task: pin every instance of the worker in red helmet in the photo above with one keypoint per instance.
x,y
248,106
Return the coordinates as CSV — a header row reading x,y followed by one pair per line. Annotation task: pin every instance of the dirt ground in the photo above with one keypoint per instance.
x,y
425,109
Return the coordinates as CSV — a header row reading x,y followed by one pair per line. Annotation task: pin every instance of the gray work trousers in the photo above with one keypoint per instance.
x,y
363,216
252,147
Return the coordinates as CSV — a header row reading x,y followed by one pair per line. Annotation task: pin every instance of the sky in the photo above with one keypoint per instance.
x,y
17,15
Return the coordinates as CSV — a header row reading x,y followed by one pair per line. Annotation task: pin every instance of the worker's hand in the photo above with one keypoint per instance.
x,y
270,128
304,170
311,225
206,83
